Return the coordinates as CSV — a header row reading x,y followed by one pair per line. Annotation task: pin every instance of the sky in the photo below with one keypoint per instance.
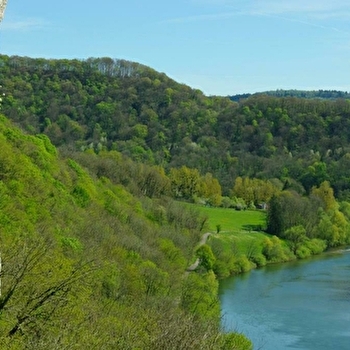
x,y
222,47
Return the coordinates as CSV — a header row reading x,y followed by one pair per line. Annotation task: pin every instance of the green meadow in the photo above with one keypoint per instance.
x,y
231,220
243,229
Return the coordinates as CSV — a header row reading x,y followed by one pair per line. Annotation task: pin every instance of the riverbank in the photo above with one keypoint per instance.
x,y
238,252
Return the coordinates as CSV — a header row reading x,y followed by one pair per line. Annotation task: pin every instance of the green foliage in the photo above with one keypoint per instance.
x,y
199,294
236,341
184,182
81,195
91,202
206,257
275,251
316,245
109,104
242,264
253,190
302,252
296,235
290,209
84,264
258,259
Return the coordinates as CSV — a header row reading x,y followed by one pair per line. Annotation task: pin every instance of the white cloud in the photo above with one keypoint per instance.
x,y
322,14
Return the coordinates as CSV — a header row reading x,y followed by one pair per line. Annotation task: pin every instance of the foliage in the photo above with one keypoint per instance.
x,y
206,257
236,341
253,190
95,251
275,251
296,138
314,94
86,263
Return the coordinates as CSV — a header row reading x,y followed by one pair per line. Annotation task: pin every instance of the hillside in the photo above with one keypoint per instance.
x,y
308,94
106,104
88,265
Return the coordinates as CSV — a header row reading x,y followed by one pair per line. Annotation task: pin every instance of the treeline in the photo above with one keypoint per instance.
x,y
309,94
106,104
297,226
86,264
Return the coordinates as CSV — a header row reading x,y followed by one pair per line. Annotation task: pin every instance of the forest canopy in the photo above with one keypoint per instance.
x,y
109,104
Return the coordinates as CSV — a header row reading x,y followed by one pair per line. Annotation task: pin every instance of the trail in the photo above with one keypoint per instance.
x,y
201,242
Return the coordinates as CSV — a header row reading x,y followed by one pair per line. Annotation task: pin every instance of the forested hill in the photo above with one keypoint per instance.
x,y
310,94
88,265
106,104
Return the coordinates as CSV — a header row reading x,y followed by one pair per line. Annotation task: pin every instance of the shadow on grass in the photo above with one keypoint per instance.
x,y
249,228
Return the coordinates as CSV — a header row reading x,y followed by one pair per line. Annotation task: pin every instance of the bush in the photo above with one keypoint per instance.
x,y
303,252
316,246
274,251
259,260
243,264
206,257
236,341
221,269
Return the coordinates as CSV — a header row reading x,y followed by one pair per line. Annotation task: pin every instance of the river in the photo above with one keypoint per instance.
x,y
296,305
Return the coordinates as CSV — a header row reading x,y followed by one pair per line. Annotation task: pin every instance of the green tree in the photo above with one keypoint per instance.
x,y
206,257
296,235
275,219
210,189
184,182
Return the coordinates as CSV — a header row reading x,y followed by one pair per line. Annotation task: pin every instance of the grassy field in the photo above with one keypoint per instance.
x,y
232,220
243,228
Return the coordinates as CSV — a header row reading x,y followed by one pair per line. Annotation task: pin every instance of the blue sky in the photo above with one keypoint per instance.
x,y
221,47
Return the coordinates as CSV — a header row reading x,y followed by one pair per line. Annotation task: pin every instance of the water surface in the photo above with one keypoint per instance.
x,y
299,305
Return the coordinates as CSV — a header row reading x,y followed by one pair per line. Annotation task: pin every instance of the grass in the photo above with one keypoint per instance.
x,y
241,228
232,220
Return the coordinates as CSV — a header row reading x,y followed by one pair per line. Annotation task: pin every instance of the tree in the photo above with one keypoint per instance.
x,y
296,235
38,283
253,190
206,257
275,219
325,193
184,182
210,189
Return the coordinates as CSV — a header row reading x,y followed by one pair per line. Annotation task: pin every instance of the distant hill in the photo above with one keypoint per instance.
x,y
309,94
104,104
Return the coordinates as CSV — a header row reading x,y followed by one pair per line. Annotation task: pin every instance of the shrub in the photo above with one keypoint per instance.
x,y
316,246
303,252
258,259
236,341
243,264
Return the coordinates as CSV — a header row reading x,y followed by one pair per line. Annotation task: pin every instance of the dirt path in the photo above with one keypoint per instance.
x,y
201,242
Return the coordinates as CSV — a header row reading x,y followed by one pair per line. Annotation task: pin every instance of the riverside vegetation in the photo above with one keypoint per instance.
x,y
96,156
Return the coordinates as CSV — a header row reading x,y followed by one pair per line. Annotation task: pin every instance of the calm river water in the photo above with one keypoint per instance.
x,y
298,305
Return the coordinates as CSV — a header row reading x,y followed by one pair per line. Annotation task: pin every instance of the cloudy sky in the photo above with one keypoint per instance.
x,y
221,47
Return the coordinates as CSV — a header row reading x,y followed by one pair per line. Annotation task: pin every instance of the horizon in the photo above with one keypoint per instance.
x,y
221,47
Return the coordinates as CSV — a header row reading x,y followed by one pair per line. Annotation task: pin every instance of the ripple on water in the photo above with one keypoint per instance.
x,y
296,306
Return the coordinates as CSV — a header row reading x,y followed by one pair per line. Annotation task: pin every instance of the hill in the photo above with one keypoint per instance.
x,y
107,104
88,265
308,94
